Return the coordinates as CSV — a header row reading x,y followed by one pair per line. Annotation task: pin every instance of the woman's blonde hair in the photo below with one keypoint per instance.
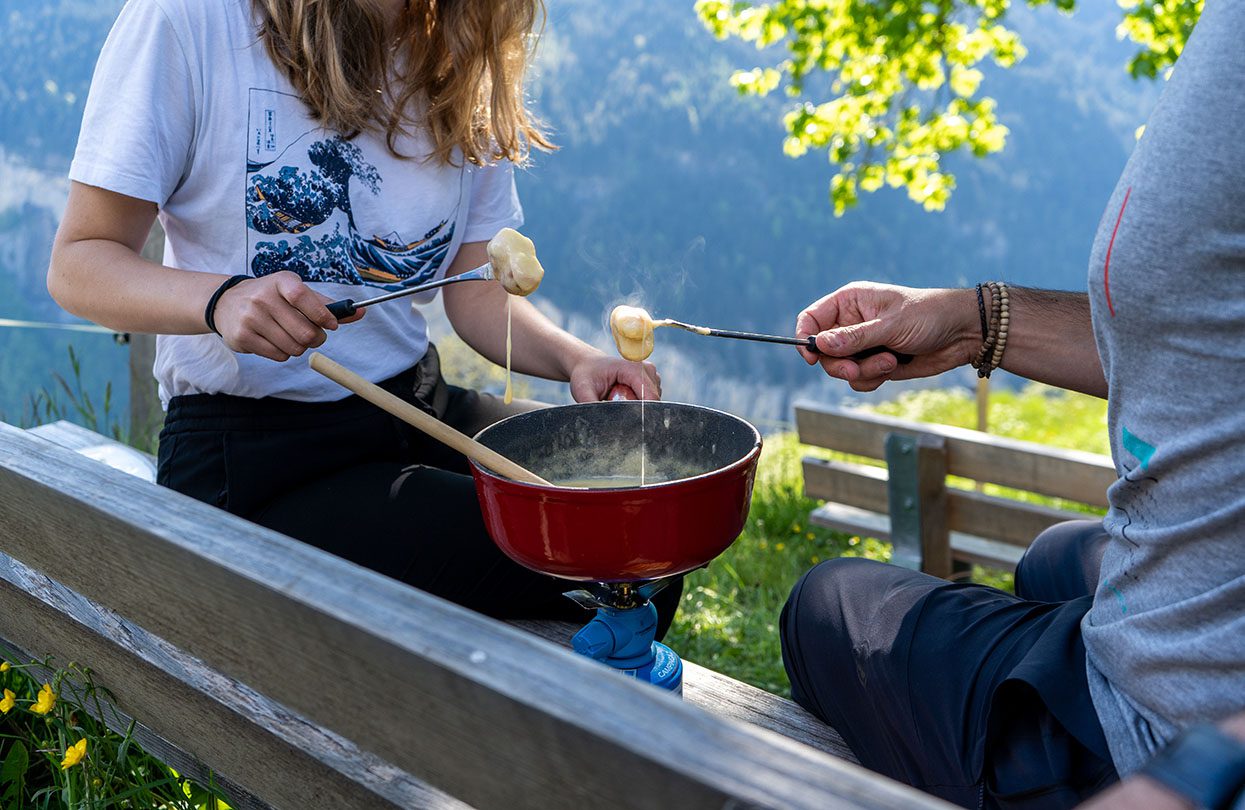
x,y
459,63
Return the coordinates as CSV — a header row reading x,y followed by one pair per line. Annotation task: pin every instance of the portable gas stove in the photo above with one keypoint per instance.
x,y
623,543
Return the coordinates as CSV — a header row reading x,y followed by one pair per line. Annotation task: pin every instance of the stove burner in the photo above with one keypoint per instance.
x,y
623,633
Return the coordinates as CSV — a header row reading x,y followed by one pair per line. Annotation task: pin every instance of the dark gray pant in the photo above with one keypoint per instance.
x,y
964,691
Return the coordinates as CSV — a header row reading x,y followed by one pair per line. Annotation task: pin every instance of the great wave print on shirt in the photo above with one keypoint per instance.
x,y
302,206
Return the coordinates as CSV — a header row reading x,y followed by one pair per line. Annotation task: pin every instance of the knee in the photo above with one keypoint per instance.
x,y
815,607
1052,555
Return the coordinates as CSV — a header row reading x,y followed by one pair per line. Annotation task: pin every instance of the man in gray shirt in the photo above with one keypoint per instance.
x,y
1123,633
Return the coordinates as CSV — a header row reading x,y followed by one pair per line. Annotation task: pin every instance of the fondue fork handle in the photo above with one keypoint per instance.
x,y
809,343
348,306
469,447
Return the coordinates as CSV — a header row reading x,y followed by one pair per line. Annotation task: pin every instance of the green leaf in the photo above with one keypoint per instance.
x,y
13,771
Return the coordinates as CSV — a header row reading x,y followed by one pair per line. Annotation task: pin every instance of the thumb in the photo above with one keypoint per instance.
x,y
844,341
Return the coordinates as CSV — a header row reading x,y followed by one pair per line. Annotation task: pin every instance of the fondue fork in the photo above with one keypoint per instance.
x,y
348,306
809,342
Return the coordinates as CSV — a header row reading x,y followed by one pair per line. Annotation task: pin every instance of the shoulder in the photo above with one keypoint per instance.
x,y
194,19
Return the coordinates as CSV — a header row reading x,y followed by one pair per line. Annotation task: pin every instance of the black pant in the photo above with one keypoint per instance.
x,y
964,691
352,480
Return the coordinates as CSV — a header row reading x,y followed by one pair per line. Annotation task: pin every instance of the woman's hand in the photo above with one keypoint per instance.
x,y
594,377
939,327
275,316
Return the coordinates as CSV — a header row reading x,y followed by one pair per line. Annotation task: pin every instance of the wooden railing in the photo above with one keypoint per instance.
x,y
934,526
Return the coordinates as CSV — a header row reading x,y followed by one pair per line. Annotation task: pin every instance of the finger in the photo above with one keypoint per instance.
x,y
865,386
254,344
273,332
637,376
358,313
583,390
304,333
309,303
841,368
817,317
844,341
878,365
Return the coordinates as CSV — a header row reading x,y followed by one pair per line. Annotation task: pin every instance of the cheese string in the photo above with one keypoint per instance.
x,y
509,397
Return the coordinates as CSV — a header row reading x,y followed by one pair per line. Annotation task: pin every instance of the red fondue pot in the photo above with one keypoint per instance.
x,y
702,460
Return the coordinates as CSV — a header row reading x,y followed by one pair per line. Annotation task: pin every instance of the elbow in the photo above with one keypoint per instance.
x,y
60,278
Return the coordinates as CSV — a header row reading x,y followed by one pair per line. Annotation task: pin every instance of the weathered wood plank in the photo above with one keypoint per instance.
x,y
476,709
968,512
101,448
246,738
727,697
1010,521
848,483
1071,474
964,547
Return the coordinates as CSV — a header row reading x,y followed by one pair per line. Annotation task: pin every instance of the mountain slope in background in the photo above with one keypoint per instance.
x,y
669,188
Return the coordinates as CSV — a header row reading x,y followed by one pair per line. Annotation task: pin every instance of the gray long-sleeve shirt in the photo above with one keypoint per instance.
x,y
1166,634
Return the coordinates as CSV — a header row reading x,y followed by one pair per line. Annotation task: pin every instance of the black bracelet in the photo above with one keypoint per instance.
x,y
981,310
209,314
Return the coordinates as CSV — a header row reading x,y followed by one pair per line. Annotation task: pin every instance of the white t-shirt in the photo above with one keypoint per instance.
x,y
186,110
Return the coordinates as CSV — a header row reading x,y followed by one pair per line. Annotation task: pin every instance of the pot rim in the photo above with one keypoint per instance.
x,y
742,461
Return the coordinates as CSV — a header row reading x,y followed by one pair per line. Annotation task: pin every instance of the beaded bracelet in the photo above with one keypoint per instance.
x,y
994,339
981,310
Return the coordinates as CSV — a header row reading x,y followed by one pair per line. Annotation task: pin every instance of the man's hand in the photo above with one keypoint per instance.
x,y
592,378
275,316
939,327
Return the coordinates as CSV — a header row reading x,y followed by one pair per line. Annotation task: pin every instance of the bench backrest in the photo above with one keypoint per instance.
x,y
310,681
936,452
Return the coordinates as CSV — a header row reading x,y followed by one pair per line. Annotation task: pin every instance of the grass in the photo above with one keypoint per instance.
x,y
728,619
57,751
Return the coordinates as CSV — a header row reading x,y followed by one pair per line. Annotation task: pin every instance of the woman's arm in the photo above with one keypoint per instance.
x,y
97,272
478,314
1050,338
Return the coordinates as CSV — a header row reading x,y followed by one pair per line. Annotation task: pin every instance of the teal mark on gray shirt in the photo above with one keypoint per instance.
x,y
1140,450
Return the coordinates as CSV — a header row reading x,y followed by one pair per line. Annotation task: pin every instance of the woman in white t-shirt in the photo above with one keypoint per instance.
x,y
299,152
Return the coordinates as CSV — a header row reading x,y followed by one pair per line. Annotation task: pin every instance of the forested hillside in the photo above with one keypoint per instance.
x,y
669,188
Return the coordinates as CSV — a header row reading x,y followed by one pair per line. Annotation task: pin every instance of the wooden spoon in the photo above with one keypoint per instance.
x,y
434,427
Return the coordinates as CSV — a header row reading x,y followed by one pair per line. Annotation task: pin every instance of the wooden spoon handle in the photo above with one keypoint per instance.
x,y
434,427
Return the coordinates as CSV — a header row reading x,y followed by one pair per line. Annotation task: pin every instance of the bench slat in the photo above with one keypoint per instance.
x,y
476,709
964,547
1070,474
246,736
976,513
727,697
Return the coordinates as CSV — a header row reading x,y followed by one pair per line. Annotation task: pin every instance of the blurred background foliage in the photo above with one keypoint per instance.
x,y
901,79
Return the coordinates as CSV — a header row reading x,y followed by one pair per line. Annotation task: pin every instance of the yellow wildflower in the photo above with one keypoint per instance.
x,y
4,666
46,700
10,700
780,546
74,754
810,536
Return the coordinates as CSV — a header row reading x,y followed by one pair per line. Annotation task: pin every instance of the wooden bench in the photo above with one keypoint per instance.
x,y
297,679
934,527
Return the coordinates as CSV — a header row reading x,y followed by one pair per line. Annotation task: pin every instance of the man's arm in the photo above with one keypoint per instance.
x,y
1050,336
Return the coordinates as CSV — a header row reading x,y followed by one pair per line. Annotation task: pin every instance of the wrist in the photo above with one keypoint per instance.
x,y
964,322
213,302
576,355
